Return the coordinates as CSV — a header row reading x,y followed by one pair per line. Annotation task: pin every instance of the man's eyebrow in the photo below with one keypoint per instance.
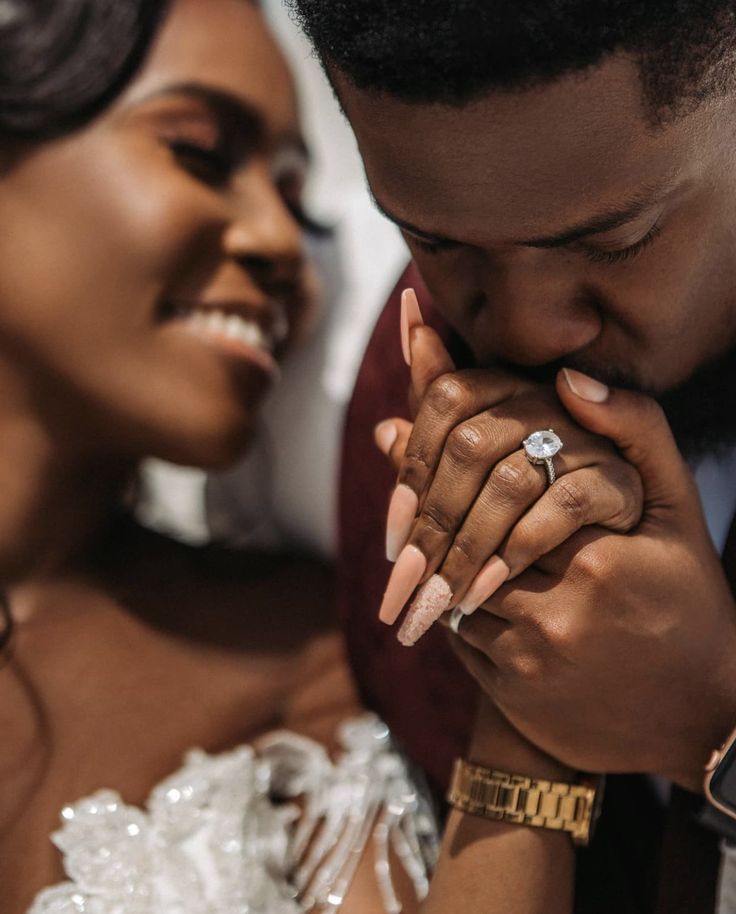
x,y
229,109
407,226
645,198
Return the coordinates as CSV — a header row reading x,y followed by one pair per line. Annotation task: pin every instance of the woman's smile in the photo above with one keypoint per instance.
x,y
235,328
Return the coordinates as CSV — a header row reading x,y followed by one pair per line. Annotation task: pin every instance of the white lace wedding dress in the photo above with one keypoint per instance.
x,y
223,836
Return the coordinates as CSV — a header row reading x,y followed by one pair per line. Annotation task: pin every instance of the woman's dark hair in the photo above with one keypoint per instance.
x,y
63,61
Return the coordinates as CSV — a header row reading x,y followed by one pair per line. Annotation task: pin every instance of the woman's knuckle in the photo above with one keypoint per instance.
x,y
436,518
468,444
571,498
464,550
414,470
523,543
514,481
448,393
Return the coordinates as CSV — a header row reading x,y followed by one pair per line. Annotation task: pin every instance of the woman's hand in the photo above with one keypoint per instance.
x,y
468,505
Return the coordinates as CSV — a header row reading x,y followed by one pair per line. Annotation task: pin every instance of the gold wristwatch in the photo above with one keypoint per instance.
x,y
556,805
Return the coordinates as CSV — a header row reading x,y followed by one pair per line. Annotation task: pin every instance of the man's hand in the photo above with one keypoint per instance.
x,y
618,653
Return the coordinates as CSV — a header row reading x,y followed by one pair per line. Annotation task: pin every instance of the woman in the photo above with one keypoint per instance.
x,y
151,273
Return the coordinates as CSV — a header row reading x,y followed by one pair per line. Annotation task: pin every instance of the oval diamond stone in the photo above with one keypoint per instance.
x,y
542,445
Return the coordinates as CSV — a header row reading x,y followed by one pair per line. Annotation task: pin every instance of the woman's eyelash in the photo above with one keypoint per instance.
x,y
628,253
310,225
214,167
209,165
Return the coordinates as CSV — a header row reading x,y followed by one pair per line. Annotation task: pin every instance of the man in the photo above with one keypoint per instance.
x,y
564,177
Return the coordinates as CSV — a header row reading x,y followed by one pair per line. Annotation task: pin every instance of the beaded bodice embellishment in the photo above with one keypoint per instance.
x,y
223,834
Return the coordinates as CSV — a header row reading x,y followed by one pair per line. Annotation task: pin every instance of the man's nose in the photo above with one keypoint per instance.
x,y
531,316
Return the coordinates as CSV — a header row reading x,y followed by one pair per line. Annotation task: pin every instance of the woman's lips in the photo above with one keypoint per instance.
x,y
231,332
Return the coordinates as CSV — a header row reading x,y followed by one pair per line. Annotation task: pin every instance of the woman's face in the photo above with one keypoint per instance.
x,y
150,262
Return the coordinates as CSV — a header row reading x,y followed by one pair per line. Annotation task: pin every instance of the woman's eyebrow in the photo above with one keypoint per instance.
x,y
234,111
228,108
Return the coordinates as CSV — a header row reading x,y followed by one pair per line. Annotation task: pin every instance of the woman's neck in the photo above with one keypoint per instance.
x,y
54,498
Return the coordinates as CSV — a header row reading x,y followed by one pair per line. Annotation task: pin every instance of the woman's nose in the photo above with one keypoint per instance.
x,y
264,235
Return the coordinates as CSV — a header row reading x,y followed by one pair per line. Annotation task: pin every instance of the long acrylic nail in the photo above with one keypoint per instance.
x,y
486,583
385,434
432,600
401,513
407,573
411,317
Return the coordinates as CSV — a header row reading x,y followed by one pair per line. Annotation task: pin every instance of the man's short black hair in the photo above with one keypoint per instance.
x,y
452,51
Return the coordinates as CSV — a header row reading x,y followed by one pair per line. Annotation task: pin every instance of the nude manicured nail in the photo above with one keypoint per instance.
x,y
432,600
411,317
486,583
585,387
407,573
401,513
385,434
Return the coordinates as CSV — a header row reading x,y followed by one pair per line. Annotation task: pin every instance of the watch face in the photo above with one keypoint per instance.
x,y
723,780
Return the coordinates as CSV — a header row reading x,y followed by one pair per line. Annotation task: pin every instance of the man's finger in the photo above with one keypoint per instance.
x,y
638,427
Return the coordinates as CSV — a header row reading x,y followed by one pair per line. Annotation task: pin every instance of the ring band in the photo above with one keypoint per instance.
x,y
540,447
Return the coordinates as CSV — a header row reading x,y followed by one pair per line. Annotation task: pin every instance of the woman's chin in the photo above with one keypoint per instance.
x,y
208,447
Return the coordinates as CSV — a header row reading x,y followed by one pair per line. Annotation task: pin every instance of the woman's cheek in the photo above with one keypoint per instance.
x,y
158,217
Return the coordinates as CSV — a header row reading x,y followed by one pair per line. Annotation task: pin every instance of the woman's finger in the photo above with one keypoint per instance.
x,y
449,400
423,350
391,437
508,528
484,484
609,496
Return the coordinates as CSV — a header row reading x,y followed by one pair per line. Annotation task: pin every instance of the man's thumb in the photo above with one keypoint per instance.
x,y
637,425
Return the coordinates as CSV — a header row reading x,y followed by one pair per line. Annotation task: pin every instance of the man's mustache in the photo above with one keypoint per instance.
x,y
546,374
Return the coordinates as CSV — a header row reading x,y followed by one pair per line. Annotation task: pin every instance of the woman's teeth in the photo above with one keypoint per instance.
x,y
231,326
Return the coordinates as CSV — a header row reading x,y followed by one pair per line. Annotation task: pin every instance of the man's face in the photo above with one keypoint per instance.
x,y
557,226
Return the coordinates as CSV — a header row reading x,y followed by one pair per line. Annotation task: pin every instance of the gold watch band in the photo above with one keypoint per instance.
x,y
538,803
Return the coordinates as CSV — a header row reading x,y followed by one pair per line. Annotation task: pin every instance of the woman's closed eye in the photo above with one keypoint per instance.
x,y
308,223
210,164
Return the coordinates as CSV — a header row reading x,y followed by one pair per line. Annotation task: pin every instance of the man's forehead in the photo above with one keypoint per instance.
x,y
508,162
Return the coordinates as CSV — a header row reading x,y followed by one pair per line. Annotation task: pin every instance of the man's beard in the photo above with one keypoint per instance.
x,y
701,411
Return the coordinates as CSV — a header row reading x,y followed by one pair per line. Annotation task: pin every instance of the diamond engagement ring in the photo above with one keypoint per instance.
x,y
540,448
